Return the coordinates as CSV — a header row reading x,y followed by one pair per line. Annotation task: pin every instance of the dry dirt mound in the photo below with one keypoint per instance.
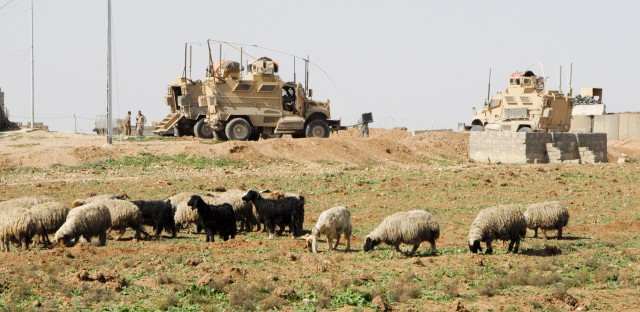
x,y
395,146
629,147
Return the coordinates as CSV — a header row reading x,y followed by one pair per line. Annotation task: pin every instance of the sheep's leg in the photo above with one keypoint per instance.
x,y
511,242
121,231
413,250
433,247
559,233
337,242
489,249
24,241
348,237
329,243
272,230
397,248
535,232
44,239
102,238
517,246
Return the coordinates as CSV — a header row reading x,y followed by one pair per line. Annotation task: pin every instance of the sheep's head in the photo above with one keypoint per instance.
x,y
308,242
63,241
194,201
475,247
250,196
78,203
370,243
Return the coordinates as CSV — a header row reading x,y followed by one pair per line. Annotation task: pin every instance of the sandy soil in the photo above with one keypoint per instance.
x,y
595,267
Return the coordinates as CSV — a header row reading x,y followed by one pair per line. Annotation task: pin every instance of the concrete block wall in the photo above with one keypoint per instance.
x,y
617,126
522,148
492,147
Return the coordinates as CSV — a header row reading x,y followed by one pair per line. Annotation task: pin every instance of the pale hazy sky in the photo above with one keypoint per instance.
x,y
418,64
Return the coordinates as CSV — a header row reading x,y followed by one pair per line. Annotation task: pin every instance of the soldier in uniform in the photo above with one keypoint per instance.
x,y
140,121
364,128
127,124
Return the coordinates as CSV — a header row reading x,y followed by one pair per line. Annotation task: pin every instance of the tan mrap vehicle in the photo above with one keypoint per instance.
x,y
525,106
186,116
261,104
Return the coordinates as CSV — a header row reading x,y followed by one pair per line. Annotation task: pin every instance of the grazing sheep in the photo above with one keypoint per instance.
x,y
296,197
25,202
332,223
124,214
281,212
215,218
157,213
184,215
547,216
504,222
49,217
178,199
95,198
87,221
411,227
16,225
242,209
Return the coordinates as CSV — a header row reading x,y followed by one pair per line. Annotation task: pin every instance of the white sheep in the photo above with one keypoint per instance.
x,y
95,198
124,214
49,217
87,221
332,222
547,216
411,227
504,222
16,225
25,202
179,198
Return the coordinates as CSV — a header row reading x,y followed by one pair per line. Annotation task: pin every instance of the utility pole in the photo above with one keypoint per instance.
x,y
32,76
75,124
109,85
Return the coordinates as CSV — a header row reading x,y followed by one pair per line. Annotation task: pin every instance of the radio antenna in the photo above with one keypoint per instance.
x,y
489,88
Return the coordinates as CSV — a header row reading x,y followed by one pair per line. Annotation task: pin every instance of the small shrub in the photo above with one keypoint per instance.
x,y
244,297
166,302
450,288
164,279
351,297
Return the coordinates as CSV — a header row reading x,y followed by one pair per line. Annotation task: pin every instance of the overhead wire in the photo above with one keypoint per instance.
x,y
231,44
5,4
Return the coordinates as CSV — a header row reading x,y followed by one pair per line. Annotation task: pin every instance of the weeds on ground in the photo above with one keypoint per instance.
x,y
145,160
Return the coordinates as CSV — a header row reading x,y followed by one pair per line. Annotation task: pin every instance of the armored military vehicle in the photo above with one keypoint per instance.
x,y
261,104
186,116
525,106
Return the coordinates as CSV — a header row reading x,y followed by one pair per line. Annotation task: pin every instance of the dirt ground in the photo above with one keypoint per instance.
x,y
595,267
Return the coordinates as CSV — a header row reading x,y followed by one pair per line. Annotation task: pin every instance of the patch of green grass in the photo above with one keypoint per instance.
x,y
146,160
23,145
351,297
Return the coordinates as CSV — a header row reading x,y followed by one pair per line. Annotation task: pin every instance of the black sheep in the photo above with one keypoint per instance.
x,y
282,212
215,218
157,213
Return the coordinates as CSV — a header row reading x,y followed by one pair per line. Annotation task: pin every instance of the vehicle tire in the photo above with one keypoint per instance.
x,y
477,128
238,129
220,136
525,129
203,130
317,128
